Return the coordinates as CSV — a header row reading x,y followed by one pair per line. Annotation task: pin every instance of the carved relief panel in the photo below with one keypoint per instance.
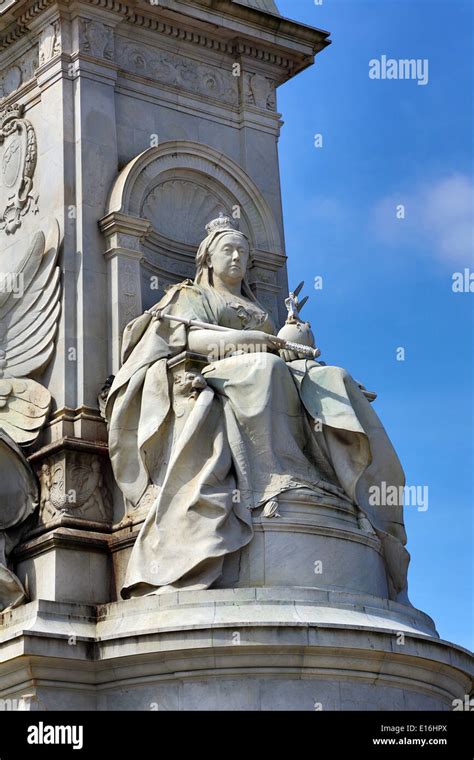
x,y
177,71
22,70
96,39
197,202
50,42
259,91
75,484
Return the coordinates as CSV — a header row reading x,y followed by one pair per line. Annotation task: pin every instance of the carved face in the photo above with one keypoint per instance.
x,y
229,257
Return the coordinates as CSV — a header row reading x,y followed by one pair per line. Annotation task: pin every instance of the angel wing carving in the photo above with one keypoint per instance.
x,y
29,314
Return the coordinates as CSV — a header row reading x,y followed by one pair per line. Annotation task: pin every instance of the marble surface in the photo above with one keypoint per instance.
x,y
135,121
243,649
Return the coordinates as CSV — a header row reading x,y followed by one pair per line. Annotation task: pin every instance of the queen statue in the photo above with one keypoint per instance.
x,y
262,419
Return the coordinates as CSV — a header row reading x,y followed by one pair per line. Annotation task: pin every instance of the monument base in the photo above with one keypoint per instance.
x,y
229,649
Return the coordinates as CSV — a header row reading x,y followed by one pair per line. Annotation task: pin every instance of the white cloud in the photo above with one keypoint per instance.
x,y
438,217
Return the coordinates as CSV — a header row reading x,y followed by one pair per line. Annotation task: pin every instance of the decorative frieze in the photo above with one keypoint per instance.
x,y
75,484
50,42
20,72
99,39
177,71
96,39
259,91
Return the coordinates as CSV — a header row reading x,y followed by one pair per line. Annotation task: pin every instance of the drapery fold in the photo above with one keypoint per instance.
x,y
247,439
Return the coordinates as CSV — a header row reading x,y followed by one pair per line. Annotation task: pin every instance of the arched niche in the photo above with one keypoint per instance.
x,y
157,211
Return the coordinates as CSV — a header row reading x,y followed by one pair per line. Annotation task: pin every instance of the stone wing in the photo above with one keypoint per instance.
x,y
24,407
29,312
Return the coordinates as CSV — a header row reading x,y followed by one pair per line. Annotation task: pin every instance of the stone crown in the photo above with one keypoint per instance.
x,y
221,223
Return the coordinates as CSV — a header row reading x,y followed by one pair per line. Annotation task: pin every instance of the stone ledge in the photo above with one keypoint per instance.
x,y
189,611
69,536
80,657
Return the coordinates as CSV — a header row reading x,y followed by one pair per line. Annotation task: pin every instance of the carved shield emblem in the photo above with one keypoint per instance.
x,y
12,159
17,165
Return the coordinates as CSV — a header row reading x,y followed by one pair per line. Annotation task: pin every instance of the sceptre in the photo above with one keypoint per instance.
x,y
307,351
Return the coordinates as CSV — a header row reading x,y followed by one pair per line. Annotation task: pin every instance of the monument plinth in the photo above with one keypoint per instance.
x,y
184,521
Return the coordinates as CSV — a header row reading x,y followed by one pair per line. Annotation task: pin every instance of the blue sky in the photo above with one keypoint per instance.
x,y
387,282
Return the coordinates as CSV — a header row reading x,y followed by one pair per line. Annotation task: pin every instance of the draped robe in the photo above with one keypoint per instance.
x,y
248,438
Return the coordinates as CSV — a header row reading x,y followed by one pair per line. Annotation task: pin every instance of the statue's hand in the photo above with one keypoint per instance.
x,y
217,345
255,340
291,356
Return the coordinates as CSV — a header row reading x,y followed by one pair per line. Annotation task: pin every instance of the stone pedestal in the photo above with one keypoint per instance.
x,y
241,649
66,565
311,541
307,626
148,121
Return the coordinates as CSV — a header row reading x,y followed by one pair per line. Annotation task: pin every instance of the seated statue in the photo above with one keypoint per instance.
x,y
249,434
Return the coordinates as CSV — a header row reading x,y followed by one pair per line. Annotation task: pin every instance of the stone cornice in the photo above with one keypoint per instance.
x,y
247,33
5,5
19,26
115,223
